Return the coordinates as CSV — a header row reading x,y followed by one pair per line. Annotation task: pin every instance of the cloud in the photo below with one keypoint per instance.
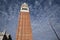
x,y
41,19
40,14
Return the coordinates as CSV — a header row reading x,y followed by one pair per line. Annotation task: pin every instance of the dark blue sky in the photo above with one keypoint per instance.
x,y
42,13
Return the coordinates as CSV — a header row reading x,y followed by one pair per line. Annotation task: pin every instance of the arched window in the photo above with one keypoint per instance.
x,y
24,8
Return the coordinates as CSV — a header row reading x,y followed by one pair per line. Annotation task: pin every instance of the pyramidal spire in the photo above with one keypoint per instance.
x,y
24,8
4,31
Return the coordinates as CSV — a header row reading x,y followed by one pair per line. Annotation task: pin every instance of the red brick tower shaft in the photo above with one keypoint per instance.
x,y
24,31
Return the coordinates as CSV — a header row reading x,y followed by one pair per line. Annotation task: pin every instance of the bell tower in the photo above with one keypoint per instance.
x,y
24,30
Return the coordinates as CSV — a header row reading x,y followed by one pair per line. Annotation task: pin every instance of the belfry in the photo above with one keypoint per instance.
x,y
24,30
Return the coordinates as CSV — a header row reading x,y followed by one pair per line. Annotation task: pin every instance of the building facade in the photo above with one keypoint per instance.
x,y
24,30
5,36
